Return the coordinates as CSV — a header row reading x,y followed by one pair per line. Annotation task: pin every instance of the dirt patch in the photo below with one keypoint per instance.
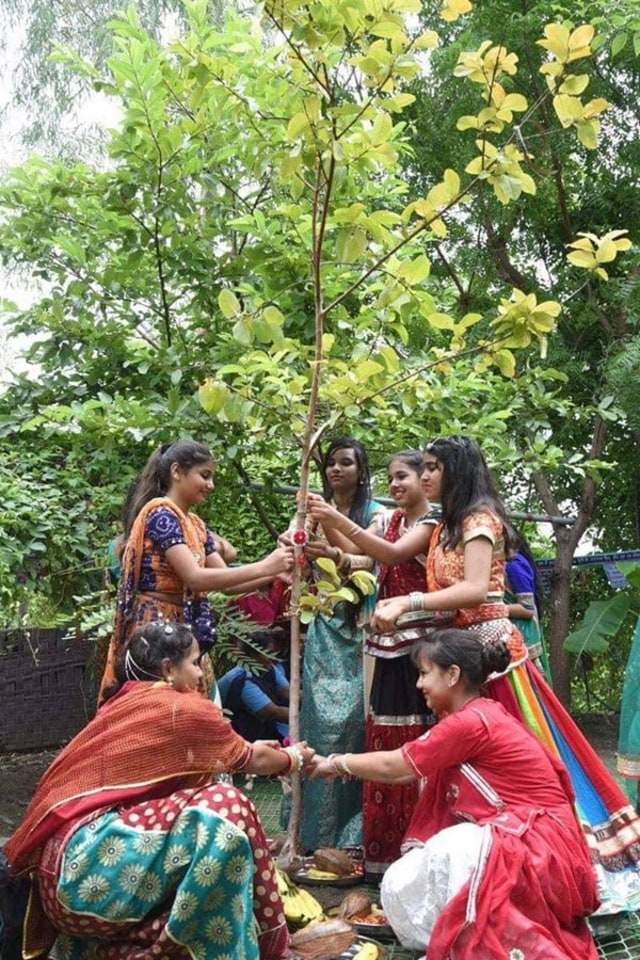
x,y
19,774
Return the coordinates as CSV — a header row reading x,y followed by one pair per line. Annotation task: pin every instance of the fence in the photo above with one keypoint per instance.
x,y
47,688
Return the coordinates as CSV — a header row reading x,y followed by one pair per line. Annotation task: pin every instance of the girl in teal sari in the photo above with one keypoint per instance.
x,y
332,710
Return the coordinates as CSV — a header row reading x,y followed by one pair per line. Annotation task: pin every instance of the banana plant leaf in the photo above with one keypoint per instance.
x,y
602,619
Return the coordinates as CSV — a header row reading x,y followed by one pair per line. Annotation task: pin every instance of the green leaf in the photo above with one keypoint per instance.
x,y
602,619
329,568
229,304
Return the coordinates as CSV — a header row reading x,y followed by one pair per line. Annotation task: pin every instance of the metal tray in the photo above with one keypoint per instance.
x,y
302,876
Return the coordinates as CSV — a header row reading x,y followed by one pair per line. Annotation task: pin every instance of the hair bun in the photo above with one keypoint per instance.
x,y
496,656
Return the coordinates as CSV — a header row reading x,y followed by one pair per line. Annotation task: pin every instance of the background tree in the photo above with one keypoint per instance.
x,y
251,226
575,423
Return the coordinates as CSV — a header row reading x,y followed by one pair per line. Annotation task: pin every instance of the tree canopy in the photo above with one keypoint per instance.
x,y
412,208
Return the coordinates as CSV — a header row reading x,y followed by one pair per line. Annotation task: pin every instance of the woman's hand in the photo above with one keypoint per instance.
x,y
308,755
279,561
320,548
324,769
323,513
387,612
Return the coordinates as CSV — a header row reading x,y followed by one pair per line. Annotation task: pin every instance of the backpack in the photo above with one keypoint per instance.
x,y
14,895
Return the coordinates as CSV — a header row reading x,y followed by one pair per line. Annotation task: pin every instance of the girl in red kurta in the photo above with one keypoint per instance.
x,y
496,866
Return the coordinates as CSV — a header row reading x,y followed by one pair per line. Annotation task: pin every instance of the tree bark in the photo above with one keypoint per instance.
x,y
567,540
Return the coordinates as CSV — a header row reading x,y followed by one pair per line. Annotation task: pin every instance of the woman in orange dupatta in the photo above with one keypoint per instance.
x,y
170,562
132,847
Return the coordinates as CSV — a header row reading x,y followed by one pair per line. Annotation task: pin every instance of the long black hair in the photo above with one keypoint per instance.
x,y
154,479
467,486
362,495
476,658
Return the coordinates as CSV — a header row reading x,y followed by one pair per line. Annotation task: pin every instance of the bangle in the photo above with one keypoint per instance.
x,y
416,602
296,759
345,766
353,532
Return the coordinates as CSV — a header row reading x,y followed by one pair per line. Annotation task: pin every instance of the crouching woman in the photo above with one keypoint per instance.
x,y
134,850
496,865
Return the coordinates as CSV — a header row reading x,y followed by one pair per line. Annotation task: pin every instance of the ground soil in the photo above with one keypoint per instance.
x,y
20,772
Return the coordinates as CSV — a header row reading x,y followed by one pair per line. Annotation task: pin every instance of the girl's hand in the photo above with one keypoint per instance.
x,y
387,612
322,768
319,548
308,755
323,513
279,561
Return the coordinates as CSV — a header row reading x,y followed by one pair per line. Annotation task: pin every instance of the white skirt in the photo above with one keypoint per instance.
x,y
417,887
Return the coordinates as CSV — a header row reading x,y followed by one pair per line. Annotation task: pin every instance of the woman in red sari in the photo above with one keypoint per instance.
x,y
496,865
132,846
397,712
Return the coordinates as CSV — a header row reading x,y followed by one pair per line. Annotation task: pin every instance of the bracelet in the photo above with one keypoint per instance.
x,y
331,761
345,766
353,532
296,759
416,602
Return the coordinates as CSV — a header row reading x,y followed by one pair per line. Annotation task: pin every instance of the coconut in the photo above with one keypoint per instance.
x,y
354,903
324,940
333,861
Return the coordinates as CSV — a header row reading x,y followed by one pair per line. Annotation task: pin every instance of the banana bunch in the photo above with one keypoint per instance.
x,y
300,907
368,951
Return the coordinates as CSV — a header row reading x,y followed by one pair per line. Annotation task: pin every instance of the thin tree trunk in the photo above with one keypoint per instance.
x,y
567,540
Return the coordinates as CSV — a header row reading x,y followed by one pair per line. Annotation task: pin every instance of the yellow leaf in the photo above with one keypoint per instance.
x,y
580,258
514,101
506,362
212,395
574,84
556,41
438,229
452,9
273,316
426,40
367,369
606,251
441,321
229,304
579,41
296,125
594,107
568,109
588,131
414,271
584,243
467,122
452,182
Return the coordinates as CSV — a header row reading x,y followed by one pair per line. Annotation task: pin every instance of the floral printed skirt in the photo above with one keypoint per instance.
x,y
186,877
